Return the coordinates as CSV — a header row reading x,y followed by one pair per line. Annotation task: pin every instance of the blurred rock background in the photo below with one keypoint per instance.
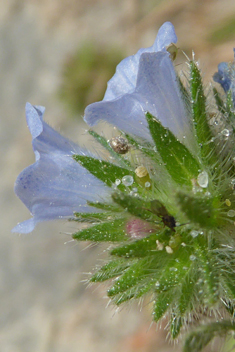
x,y
44,304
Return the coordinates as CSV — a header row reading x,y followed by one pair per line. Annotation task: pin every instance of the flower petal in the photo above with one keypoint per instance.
x,y
223,76
55,186
124,80
156,91
226,76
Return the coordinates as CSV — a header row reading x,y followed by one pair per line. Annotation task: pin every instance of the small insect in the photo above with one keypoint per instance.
x,y
159,209
119,145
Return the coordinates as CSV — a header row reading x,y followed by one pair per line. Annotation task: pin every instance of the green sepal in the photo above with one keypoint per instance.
x,y
143,247
101,140
230,108
227,277
110,270
199,338
112,231
201,210
188,290
93,217
173,272
200,119
144,147
162,303
179,162
207,261
175,325
105,206
230,306
136,278
105,171
219,101
135,206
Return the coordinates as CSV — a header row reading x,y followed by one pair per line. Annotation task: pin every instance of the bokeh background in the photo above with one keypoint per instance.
x,y
59,54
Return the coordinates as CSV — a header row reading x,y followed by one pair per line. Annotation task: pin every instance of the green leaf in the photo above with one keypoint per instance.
x,y
101,140
177,159
105,171
200,337
200,120
134,205
110,270
201,210
113,231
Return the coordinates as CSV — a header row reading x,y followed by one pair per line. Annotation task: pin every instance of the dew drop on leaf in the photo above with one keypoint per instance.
x,y
231,213
225,132
192,257
194,233
127,180
203,179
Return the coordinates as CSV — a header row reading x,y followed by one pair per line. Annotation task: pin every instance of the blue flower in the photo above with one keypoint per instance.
x,y
144,82
55,186
226,77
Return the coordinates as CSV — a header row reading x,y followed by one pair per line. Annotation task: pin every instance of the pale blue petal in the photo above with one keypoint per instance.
x,y
166,35
226,77
223,76
55,186
124,80
26,226
156,91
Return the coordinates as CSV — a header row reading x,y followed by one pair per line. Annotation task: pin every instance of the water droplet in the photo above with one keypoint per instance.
x,y
147,184
157,284
194,233
117,182
225,132
173,269
203,179
231,213
127,180
192,257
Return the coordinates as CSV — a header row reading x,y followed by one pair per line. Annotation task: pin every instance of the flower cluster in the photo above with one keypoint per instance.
x,y
164,196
